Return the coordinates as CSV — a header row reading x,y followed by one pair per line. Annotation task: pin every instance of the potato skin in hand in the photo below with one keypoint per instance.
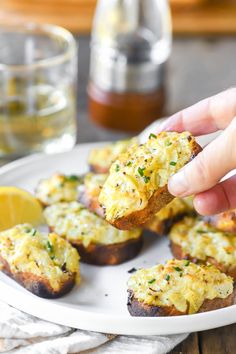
x,y
136,188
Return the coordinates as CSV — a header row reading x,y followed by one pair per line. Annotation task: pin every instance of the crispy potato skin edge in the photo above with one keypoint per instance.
x,y
38,285
178,253
137,308
113,254
159,199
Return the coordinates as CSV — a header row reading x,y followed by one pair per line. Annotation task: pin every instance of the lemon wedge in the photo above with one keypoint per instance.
x,y
17,207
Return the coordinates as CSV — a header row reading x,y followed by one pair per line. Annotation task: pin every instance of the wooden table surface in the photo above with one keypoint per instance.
x,y
198,68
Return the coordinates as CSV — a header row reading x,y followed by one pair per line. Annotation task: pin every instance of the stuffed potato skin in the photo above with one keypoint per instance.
x,y
136,188
176,210
38,285
140,309
100,159
45,265
178,287
196,240
96,240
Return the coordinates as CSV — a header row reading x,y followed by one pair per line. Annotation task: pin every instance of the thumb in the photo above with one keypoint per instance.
x,y
207,169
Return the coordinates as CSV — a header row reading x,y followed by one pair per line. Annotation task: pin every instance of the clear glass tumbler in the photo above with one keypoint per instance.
x,y
38,77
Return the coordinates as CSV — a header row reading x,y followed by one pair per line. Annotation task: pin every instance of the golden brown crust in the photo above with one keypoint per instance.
x,y
159,199
38,285
137,308
178,253
225,221
113,254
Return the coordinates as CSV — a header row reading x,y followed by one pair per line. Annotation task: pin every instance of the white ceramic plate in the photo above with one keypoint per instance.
x,y
99,304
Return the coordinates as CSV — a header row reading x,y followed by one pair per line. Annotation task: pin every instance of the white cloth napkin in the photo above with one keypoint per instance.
x,y
24,334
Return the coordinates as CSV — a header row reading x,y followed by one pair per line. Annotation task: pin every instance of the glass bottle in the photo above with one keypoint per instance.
x,y
131,42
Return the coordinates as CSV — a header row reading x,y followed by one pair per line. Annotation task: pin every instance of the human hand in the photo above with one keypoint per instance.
x,y
202,176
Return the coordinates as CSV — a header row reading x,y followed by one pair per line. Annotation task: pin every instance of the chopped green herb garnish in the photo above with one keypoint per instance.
x,y
173,163
186,263
34,231
152,136
52,258
200,231
72,178
167,278
181,274
117,168
168,143
141,171
49,246
151,281
146,179
129,163
178,269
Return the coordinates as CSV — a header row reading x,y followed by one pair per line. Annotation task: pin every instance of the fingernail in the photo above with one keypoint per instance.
x,y
177,184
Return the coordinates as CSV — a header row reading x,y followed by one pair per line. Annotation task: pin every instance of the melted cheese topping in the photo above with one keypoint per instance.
x,y
106,155
78,224
143,169
180,283
201,240
58,188
45,255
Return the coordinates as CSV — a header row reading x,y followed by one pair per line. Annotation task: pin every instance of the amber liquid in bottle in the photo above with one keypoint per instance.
x,y
130,111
